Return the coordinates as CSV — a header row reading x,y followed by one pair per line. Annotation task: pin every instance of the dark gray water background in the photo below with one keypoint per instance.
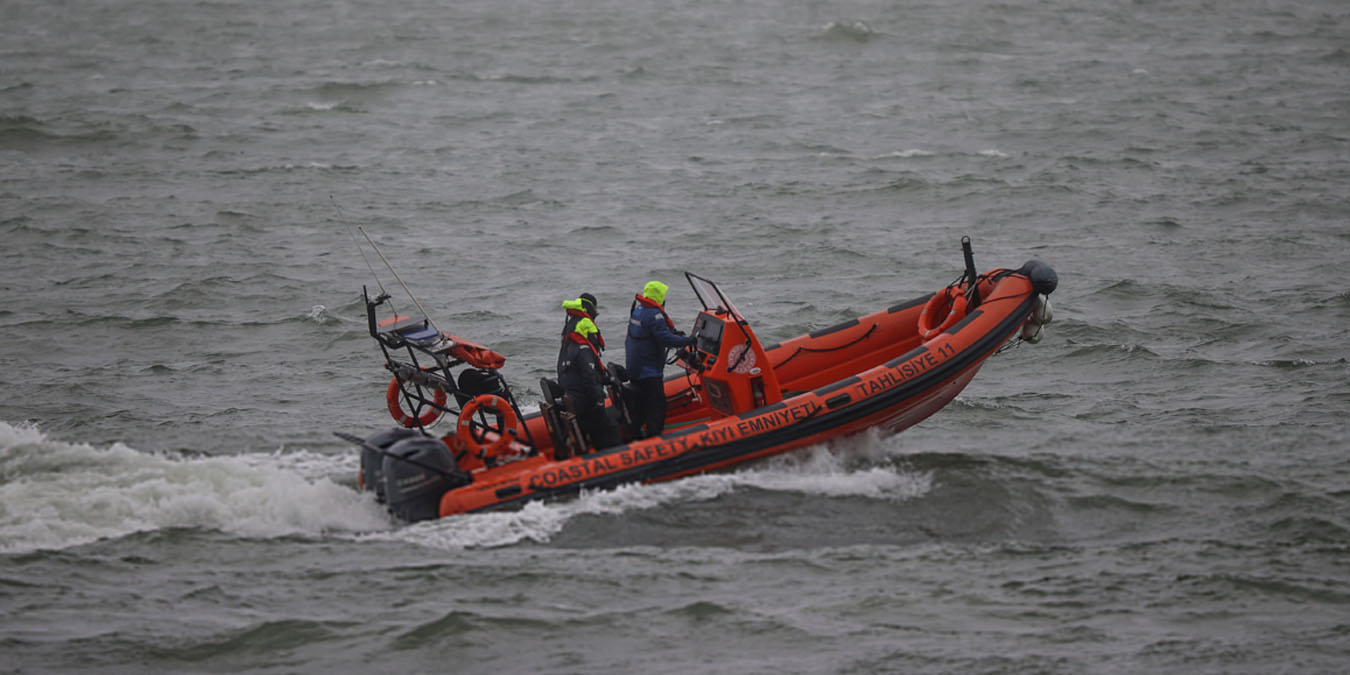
x,y
1162,485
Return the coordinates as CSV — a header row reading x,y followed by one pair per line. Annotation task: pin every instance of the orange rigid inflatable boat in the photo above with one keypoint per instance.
x,y
732,399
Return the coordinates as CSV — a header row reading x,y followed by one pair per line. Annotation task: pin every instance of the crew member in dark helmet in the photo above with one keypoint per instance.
x,y
584,306
581,374
650,334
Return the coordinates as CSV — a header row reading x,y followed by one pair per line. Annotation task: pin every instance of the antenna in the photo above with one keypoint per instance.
x,y
343,216
407,290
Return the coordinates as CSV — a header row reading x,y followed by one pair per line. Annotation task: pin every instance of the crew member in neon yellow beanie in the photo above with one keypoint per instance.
x,y
650,334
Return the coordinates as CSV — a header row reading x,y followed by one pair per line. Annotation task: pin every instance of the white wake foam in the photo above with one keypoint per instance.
x,y
55,495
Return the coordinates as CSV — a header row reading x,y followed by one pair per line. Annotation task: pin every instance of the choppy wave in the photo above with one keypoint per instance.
x,y
23,132
847,31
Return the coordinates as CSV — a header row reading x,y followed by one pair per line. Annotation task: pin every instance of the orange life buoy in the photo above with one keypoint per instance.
x,y
396,406
486,403
954,300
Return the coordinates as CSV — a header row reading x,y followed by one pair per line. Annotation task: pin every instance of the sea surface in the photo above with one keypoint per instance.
x,y
1162,485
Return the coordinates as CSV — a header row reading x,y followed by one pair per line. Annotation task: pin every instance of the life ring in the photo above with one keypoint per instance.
x,y
392,396
486,403
956,304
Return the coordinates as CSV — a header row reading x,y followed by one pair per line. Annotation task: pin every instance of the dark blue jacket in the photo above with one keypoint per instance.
x,y
579,374
648,339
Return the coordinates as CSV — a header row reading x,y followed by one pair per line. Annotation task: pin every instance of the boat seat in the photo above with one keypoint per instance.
x,y
561,420
622,393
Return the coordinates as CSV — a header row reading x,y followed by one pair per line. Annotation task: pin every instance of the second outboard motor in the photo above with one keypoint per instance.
x,y
417,472
372,462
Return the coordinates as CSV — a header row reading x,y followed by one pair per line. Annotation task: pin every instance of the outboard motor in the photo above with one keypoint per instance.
x,y
417,472
372,462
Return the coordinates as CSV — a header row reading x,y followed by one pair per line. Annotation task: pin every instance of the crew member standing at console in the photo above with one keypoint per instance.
x,y
650,334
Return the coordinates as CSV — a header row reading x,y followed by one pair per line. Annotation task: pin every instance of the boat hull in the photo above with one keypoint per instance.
x,y
873,372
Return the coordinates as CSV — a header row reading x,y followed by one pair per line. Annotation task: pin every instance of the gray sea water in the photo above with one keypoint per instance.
x,y
1161,485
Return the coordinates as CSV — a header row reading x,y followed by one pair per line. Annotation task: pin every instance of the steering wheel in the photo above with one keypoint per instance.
x,y
690,356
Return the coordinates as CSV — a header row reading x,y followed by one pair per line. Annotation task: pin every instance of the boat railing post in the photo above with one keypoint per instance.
x,y
971,275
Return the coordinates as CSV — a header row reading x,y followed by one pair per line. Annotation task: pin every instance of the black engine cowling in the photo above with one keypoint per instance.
x,y
372,462
417,472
